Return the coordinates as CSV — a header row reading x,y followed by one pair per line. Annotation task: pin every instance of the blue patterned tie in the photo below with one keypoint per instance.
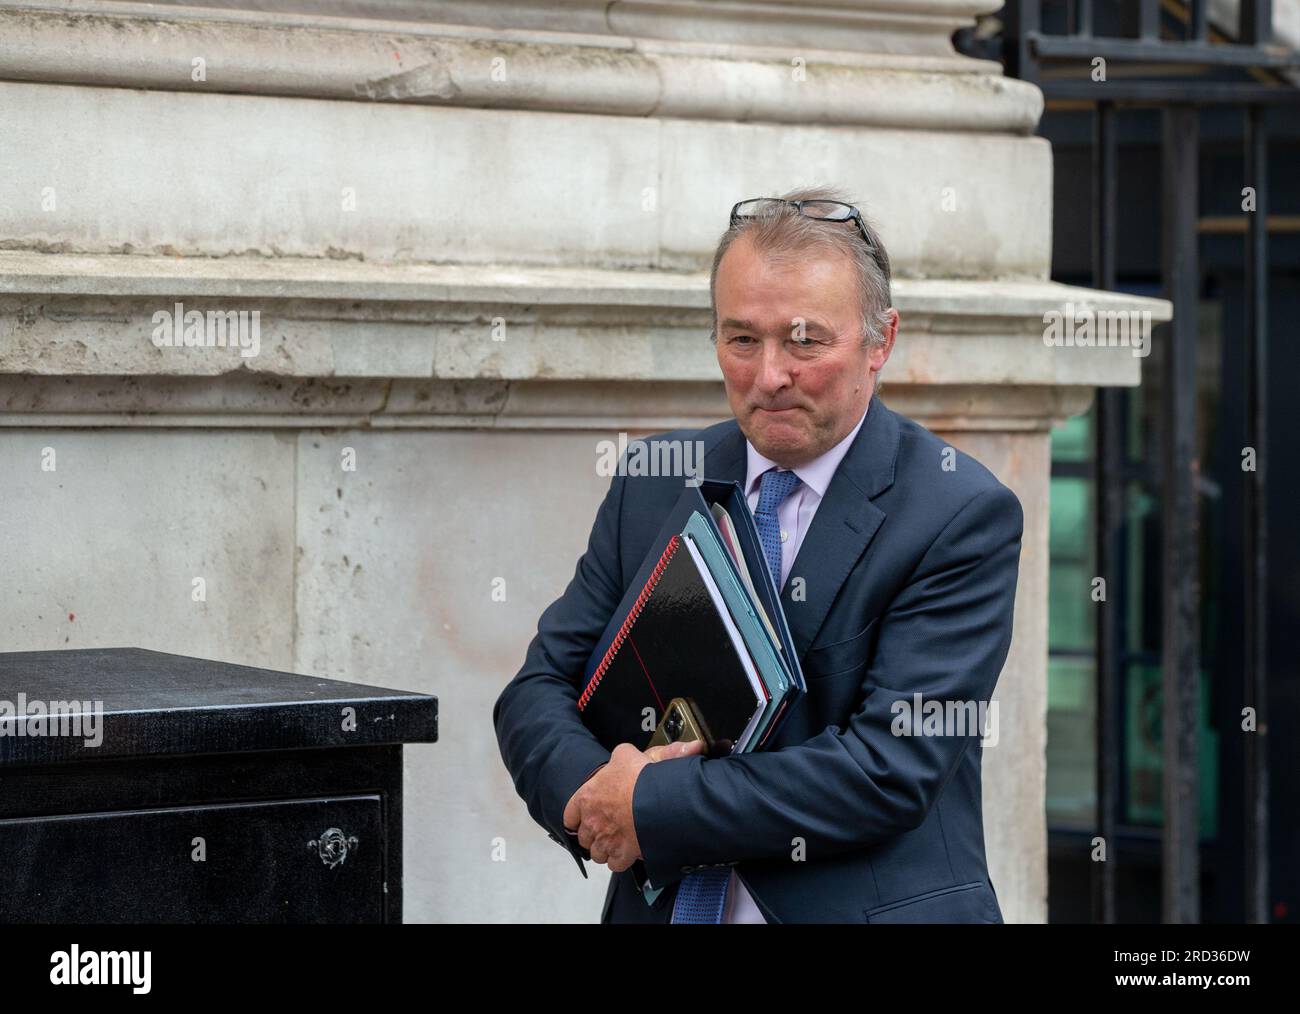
x,y
702,896
773,490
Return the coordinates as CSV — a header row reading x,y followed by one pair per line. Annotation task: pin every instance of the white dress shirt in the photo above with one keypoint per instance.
x,y
794,516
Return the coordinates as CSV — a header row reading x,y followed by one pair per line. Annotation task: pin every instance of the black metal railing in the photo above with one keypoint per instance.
x,y
1168,56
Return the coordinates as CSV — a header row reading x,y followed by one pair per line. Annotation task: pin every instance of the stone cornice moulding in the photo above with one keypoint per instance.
x,y
870,26
69,316
233,401
347,279
151,47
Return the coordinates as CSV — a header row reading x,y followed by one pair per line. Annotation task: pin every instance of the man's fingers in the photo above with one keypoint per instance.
x,y
671,750
609,852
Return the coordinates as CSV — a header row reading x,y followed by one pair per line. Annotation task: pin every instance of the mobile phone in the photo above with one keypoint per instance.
x,y
682,723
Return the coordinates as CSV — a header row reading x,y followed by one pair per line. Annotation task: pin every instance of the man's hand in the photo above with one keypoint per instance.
x,y
601,809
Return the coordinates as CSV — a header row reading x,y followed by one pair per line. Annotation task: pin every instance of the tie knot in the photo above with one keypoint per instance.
x,y
774,487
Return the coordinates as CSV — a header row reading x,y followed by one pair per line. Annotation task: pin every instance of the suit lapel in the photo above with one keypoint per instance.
x,y
845,522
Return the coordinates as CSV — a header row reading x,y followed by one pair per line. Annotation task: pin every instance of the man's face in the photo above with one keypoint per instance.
x,y
795,394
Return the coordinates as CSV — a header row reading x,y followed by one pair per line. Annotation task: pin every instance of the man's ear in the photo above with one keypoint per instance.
x,y
880,354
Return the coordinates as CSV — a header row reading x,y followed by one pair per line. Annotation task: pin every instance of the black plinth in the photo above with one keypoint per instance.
x,y
216,792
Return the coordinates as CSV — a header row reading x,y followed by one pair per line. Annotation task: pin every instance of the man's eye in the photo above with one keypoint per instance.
x,y
805,342
742,339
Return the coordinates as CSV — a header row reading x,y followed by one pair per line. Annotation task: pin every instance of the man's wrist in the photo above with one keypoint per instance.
x,y
653,816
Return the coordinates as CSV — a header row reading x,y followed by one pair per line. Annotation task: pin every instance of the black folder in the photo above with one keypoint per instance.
x,y
672,642
697,496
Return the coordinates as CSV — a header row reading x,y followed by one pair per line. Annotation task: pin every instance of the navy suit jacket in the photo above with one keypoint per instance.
x,y
908,584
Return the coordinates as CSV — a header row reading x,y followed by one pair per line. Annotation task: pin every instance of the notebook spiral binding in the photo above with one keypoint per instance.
x,y
628,620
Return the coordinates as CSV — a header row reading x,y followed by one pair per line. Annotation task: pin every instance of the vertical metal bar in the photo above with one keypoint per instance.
x,y
1256,534
1179,536
1141,19
1197,28
1108,501
1023,17
1255,27
1083,18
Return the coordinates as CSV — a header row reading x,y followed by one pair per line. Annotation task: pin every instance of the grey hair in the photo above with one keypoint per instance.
x,y
783,235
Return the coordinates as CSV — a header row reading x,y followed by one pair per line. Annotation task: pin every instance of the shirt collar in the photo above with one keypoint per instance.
x,y
816,474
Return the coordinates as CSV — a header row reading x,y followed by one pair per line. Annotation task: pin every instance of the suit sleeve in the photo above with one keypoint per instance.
x,y
945,636
547,749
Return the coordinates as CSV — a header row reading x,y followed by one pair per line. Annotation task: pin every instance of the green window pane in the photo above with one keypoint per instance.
x,y
1071,613
1071,742
1072,441
1070,608
1070,518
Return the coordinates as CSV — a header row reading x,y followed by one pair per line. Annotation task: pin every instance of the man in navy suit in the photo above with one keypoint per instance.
x,y
896,556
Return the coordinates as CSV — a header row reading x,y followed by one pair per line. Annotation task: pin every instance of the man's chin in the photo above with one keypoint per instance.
x,y
779,443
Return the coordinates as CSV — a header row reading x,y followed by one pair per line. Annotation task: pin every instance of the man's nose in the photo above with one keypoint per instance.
x,y
774,372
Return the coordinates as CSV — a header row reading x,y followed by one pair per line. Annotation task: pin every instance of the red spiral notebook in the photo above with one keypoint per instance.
x,y
676,640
